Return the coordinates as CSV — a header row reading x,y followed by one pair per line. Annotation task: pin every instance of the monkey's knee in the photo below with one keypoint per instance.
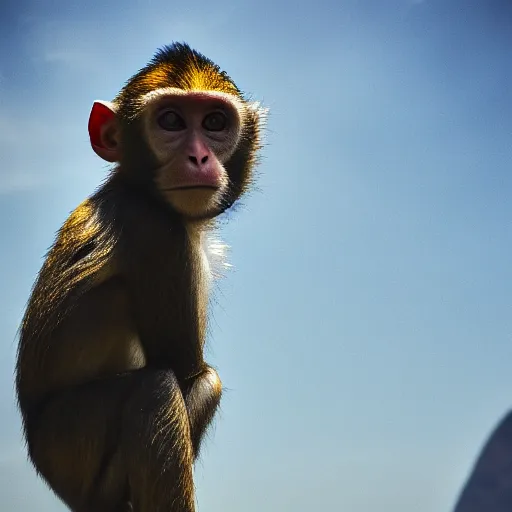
x,y
212,388
210,382
213,377
202,398
205,384
203,392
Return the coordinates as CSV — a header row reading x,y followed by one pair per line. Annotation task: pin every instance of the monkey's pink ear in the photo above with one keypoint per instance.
x,y
103,131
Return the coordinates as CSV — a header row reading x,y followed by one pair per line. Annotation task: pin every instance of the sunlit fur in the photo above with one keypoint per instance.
x,y
111,380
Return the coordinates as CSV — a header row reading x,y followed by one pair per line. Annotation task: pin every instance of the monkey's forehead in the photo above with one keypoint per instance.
x,y
200,94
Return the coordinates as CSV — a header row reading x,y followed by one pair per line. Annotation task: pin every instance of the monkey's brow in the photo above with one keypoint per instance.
x,y
172,100
196,95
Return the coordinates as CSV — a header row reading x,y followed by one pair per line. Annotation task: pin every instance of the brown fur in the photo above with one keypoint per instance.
x,y
112,385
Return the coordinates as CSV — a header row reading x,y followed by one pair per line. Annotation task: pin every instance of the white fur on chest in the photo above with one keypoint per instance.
x,y
212,252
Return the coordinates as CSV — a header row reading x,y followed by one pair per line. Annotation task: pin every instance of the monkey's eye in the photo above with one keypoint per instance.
x,y
170,121
215,122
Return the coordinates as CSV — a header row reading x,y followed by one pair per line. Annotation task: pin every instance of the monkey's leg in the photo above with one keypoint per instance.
x,y
202,397
157,446
108,442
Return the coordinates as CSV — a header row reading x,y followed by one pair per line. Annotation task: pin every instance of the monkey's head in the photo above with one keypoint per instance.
x,y
181,128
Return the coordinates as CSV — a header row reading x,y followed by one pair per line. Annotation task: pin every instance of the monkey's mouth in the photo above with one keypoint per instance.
x,y
192,187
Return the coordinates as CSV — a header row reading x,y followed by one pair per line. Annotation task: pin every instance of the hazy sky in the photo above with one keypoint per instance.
x,y
364,334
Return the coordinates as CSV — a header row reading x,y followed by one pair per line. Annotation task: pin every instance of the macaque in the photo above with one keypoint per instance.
x,y
114,392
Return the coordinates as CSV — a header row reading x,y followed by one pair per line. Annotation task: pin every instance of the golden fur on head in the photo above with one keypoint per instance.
x,y
178,66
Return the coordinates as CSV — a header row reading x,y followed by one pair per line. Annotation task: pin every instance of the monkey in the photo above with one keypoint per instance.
x,y
114,392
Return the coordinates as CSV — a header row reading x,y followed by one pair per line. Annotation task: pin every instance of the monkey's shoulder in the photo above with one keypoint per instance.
x,y
89,221
79,260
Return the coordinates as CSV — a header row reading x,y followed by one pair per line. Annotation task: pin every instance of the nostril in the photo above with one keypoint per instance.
x,y
193,159
204,159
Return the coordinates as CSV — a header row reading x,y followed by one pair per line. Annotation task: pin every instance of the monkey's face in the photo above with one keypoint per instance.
x,y
182,128
191,135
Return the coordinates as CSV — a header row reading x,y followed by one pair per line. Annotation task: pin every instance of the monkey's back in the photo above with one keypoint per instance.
x,y
80,260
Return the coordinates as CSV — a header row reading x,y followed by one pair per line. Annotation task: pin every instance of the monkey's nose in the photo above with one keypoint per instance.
x,y
193,159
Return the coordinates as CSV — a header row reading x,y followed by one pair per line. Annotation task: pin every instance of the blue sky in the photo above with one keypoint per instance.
x,y
364,334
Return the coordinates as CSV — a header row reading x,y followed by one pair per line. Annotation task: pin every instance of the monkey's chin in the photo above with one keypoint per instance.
x,y
195,203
